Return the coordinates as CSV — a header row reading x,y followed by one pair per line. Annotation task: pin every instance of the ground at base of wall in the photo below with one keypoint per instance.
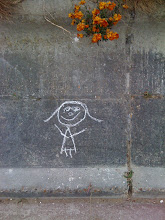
x,y
82,209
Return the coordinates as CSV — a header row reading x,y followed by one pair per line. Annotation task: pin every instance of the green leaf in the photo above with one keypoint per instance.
x,y
129,174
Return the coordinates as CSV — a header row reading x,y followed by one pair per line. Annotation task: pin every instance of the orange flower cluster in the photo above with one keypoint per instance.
x,y
111,35
80,26
95,12
101,21
98,22
95,29
80,35
96,38
116,18
107,5
125,6
82,2
77,14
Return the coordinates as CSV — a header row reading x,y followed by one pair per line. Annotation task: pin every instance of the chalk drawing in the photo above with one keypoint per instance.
x,y
70,114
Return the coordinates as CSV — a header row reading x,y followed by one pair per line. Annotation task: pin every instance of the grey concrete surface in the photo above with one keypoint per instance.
x,y
148,132
41,66
27,141
63,181
51,64
147,73
148,181
85,209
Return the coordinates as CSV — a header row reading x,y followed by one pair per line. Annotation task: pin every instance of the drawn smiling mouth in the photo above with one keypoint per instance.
x,y
71,118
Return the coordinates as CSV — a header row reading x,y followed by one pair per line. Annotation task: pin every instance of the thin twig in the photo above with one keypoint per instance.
x,y
48,20
56,25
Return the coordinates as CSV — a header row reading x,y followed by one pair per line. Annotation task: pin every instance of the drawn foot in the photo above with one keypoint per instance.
x,y
64,150
70,152
66,153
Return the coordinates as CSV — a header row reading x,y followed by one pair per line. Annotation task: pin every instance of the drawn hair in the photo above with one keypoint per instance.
x,y
54,113
73,102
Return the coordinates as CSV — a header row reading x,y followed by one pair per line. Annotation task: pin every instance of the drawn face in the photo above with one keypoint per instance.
x,y
71,113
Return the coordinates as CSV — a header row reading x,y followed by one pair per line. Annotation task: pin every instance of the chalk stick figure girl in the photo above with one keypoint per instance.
x,y
70,114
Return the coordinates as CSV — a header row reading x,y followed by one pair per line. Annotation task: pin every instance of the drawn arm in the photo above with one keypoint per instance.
x,y
60,131
79,132
70,135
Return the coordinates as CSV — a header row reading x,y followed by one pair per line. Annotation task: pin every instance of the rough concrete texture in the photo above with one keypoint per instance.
x,y
41,66
63,182
148,132
83,209
148,181
29,142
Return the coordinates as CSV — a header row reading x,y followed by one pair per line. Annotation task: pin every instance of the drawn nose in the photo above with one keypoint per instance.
x,y
70,113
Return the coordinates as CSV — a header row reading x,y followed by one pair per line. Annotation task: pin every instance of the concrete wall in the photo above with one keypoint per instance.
x,y
41,66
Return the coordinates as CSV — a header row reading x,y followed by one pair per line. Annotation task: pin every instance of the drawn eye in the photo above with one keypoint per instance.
x,y
67,109
75,109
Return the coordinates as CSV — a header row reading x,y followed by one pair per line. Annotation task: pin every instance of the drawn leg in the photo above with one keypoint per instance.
x,y
70,152
63,148
63,144
65,152
73,141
